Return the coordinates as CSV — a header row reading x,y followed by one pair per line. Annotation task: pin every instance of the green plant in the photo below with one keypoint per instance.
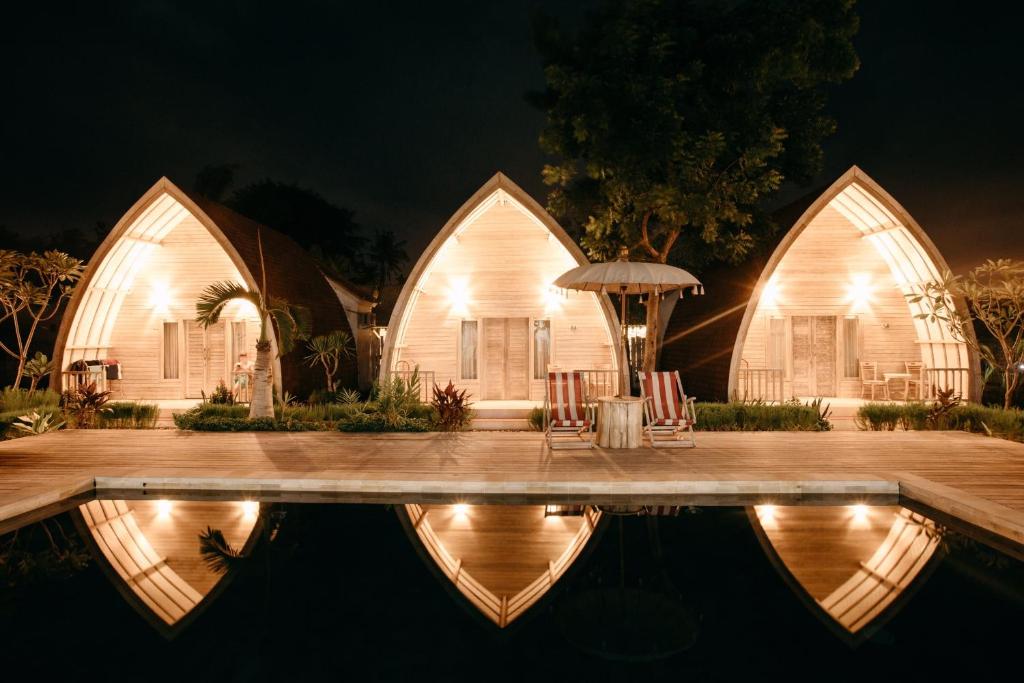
x,y
318,396
994,294
824,413
41,552
218,555
38,367
15,399
739,417
452,406
221,395
290,322
128,415
34,423
376,422
536,419
938,414
396,397
32,289
327,351
348,396
82,404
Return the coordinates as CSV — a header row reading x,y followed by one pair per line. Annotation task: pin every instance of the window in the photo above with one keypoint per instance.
x,y
467,345
170,350
851,350
541,348
777,343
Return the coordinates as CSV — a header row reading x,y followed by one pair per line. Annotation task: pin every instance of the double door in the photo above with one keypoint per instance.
x,y
506,371
814,355
205,358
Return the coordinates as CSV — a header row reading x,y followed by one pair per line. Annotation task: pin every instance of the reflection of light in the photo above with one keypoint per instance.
x,y
461,509
163,508
765,514
860,514
160,297
859,292
250,508
636,331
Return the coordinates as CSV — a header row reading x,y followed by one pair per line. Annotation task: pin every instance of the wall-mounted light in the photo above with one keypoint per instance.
x,y
859,293
160,298
458,298
770,293
552,297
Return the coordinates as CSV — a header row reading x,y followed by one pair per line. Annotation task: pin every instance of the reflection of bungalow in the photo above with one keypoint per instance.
x,y
479,307
502,559
136,302
150,551
854,566
829,295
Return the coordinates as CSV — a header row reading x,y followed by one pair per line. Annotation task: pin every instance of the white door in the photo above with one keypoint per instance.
x,y
814,355
506,357
205,358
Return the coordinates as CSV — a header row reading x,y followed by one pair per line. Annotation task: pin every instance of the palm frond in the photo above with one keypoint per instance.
x,y
291,323
217,553
215,297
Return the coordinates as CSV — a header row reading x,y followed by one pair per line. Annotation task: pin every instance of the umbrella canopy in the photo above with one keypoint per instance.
x,y
628,277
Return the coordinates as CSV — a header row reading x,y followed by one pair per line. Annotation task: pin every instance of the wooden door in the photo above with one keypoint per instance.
x,y
205,359
506,358
814,355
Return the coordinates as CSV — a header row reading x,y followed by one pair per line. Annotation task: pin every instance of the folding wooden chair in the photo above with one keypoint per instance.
x,y
669,413
568,414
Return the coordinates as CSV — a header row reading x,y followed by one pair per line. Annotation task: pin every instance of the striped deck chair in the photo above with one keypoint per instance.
x,y
670,414
567,412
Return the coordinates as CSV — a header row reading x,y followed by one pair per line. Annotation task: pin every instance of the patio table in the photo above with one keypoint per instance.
x,y
905,376
620,421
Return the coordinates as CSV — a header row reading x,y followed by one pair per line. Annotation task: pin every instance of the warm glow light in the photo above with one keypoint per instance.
x,y
245,309
770,293
163,508
458,297
461,509
765,514
250,508
160,297
636,331
552,299
859,292
860,513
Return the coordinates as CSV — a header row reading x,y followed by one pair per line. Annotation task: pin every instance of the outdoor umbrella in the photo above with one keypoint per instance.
x,y
624,277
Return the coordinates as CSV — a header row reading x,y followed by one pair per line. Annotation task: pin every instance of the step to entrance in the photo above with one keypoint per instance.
x,y
499,424
502,415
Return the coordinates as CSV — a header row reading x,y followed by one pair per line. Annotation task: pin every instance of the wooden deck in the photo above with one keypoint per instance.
x,y
974,479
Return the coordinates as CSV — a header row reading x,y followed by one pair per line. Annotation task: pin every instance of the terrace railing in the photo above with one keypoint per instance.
x,y
947,378
600,382
760,384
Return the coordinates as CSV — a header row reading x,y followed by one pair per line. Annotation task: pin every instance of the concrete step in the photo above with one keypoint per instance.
x,y
499,424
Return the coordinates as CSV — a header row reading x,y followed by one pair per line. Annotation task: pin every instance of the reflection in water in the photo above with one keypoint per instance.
x,y
153,550
501,558
855,563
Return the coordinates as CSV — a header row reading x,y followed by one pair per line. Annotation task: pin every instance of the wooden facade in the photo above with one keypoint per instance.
x,y
798,318
502,559
136,302
854,566
479,307
150,551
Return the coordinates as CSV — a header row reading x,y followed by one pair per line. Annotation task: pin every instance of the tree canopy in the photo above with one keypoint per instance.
x,y
669,121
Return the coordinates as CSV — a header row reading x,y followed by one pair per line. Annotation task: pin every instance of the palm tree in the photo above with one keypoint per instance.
x,y
327,351
387,257
290,322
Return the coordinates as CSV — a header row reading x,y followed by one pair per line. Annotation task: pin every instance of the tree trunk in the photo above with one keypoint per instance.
x,y
1010,384
262,404
651,342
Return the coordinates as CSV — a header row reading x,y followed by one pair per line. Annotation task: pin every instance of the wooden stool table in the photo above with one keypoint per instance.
x,y
620,421
898,376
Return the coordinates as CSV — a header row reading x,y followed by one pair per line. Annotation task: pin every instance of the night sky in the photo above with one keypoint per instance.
x,y
399,111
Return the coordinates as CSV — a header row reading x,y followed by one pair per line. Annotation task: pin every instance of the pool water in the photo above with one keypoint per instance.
x,y
333,591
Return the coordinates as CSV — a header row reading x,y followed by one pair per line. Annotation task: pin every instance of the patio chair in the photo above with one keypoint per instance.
x,y
670,414
568,413
917,382
869,380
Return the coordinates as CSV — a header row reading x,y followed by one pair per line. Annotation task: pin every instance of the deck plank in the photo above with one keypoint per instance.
x,y
974,478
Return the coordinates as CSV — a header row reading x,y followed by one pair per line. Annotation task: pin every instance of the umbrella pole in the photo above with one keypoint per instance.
x,y
624,362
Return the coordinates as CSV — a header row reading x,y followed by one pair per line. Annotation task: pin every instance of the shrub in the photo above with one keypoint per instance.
x,y
221,395
128,415
880,417
452,408
536,419
14,399
216,423
83,404
377,422
746,417
968,417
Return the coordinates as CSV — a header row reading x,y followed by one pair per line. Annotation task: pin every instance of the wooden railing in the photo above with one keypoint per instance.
x,y
426,378
760,384
71,379
600,382
947,378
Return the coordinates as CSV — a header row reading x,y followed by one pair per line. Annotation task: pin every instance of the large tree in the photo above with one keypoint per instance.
x,y
670,121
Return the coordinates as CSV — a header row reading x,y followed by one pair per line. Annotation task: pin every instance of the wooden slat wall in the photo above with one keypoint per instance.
x,y
504,262
187,261
815,278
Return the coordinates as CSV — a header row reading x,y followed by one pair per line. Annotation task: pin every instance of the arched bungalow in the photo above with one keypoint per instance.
x,y
853,566
149,549
799,319
136,302
499,559
479,307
